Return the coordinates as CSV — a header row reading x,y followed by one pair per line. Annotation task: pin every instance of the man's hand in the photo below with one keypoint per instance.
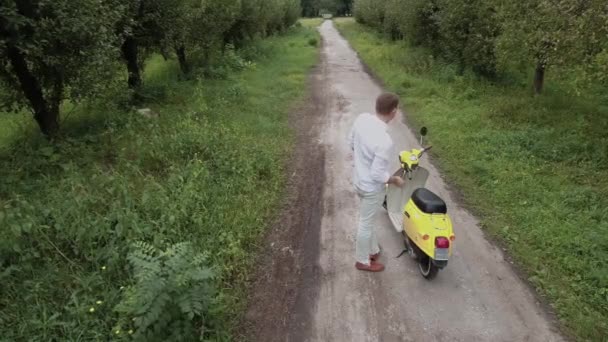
x,y
396,180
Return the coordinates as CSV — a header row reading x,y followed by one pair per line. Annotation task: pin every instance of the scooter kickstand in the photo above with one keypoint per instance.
x,y
404,251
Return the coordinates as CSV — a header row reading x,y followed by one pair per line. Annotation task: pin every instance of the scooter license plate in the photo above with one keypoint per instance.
x,y
442,253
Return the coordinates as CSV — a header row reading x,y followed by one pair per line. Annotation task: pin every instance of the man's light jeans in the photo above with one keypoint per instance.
x,y
367,242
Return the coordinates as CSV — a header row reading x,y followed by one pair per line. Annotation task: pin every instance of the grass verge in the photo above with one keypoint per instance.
x,y
532,168
208,170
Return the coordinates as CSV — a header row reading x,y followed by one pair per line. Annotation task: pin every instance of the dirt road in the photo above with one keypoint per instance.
x,y
478,297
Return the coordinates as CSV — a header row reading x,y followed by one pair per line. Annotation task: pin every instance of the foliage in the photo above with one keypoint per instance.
x,y
52,50
564,33
370,12
250,21
467,31
315,8
291,12
280,14
208,170
506,36
541,160
170,296
212,19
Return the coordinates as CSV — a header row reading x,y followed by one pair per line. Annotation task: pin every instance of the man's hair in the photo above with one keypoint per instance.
x,y
386,103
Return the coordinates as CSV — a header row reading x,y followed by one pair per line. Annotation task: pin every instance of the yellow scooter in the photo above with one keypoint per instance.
x,y
420,215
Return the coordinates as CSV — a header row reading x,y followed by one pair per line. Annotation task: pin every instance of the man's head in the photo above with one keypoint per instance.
x,y
387,105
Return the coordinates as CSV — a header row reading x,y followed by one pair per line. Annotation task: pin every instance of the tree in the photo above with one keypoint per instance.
x,y
467,32
176,24
247,24
551,33
211,19
370,12
291,12
344,7
145,26
328,6
312,8
419,24
394,13
53,49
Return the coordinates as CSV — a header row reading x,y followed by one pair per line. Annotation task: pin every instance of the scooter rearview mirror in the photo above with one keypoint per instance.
x,y
423,132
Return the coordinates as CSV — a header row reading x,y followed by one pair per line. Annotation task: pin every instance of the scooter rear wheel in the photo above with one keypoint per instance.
x,y
427,268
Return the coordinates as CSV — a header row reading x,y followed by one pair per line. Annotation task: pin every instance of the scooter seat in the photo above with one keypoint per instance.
x,y
428,202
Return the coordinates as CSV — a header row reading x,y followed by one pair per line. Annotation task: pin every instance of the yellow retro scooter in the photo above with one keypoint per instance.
x,y
420,215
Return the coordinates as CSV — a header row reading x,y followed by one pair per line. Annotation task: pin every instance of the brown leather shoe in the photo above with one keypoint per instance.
x,y
372,267
374,257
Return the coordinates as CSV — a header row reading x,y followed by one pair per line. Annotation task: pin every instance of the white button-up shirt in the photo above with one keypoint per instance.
x,y
372,148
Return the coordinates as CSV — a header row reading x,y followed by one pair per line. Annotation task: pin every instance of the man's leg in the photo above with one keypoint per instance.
x,y
366,240
377,199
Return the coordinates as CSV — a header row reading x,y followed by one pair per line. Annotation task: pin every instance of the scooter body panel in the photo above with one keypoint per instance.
x,y
398,197
423,229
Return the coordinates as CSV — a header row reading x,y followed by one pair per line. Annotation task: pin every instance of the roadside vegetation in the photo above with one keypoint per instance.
x,y
119,225
527,150
317,8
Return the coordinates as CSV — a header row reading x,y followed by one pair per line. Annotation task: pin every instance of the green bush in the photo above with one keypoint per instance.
x,y
170,296
461,33
417,21
369,12
392,19
467,34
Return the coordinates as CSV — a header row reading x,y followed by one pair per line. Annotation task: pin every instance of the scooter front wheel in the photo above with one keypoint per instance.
x,y
427,267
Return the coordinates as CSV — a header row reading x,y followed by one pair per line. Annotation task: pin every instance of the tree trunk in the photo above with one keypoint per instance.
x,y
129,53
180,51
45,114
164,53
206,59
539,78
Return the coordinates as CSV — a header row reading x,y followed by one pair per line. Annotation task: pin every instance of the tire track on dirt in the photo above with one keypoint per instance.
x,y
288,277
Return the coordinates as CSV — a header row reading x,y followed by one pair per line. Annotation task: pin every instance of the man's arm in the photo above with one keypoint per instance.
x,y
396,180
380,174
380,168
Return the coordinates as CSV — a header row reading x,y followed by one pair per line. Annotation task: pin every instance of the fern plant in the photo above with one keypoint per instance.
x,y
169,297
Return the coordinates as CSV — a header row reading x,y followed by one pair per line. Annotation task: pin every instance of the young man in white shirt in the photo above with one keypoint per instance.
x,y
372,147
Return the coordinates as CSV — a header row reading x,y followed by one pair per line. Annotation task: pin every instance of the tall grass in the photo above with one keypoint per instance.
x,y
533,168
208,171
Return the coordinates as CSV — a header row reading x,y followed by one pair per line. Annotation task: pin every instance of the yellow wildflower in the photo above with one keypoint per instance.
x,y
117,331
131,332
99,302
92,310
103,268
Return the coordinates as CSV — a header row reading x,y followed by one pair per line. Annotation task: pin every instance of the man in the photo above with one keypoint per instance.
x,y
372,149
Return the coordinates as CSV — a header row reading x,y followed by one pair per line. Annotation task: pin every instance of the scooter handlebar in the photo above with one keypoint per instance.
x,y
426,149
